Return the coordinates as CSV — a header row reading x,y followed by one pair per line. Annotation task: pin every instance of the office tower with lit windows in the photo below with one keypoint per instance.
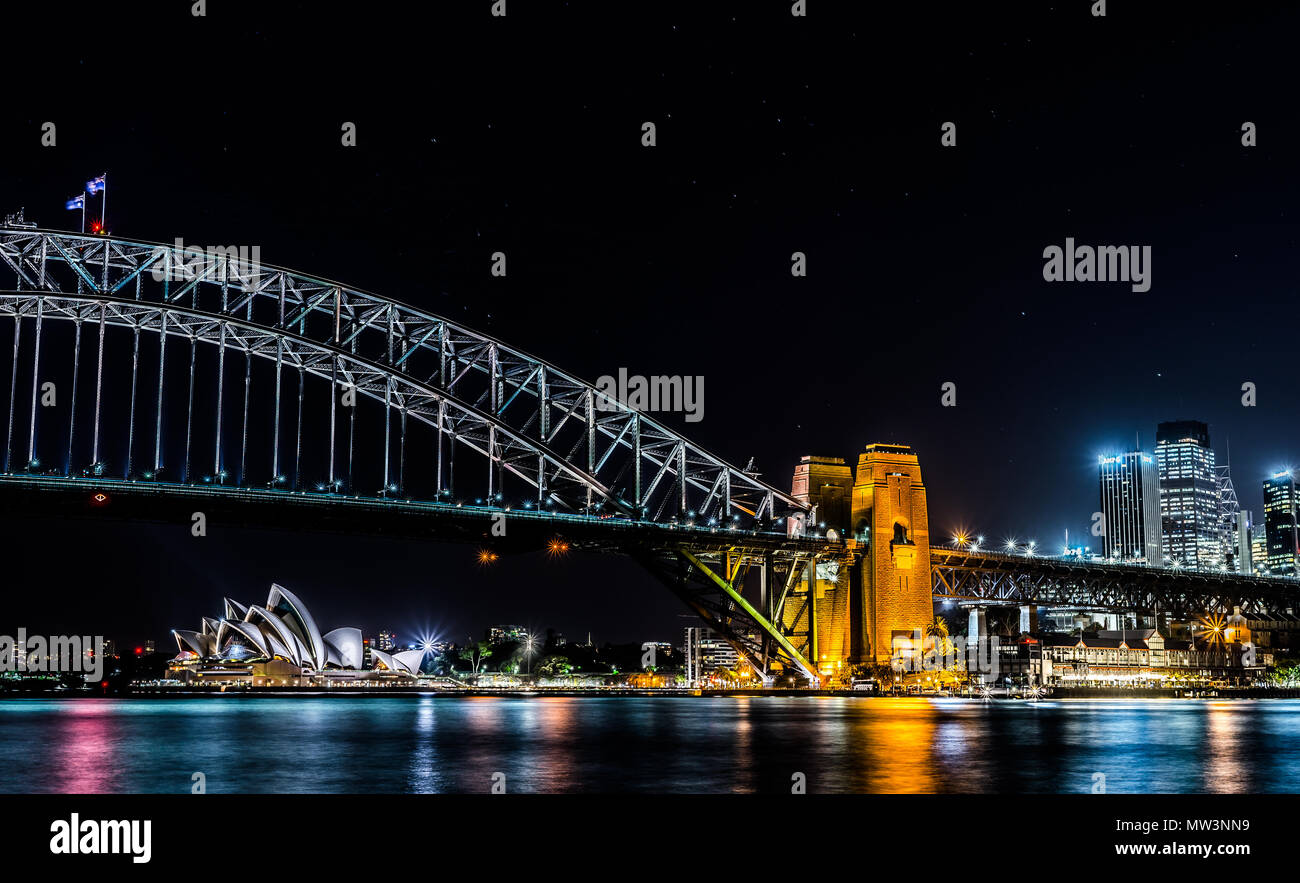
x,y
1258,549
1191,524
1243,552
1280,524
505,634
1130,507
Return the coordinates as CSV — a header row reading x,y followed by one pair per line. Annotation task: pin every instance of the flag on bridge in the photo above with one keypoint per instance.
x,y
94,185
77,202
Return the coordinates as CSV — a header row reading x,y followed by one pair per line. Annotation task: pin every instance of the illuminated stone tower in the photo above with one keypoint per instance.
x,y
889,514
827,483
822,610
849,611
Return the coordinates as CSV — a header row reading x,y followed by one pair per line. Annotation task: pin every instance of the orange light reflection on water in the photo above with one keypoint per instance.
x,y
1224,726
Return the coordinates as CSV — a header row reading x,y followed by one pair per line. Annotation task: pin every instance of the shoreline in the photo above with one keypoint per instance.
x,y
1057,695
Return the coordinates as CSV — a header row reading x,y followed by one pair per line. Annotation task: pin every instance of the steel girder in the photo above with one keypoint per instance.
x,y
998,579
600,455
711,583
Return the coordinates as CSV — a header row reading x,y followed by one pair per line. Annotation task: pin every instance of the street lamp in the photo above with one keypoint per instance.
x,y
529,643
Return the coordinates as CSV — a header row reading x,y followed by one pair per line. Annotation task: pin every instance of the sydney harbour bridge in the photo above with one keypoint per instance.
x,y
196,381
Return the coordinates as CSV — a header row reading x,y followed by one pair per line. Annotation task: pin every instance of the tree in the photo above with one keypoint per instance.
x,y
476,654
553,666
725,675
942,642
1285,676
442,664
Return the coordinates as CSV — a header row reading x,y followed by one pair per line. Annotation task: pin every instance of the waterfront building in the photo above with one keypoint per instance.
x,y
1189,496
1144,658
706,653
1283,544
1130,506
385,641
279,644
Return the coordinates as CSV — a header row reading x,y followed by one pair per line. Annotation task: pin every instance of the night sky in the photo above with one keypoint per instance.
x,y
775,134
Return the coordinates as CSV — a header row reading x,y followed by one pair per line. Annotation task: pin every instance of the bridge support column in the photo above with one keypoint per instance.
x,y
889,510
1028,618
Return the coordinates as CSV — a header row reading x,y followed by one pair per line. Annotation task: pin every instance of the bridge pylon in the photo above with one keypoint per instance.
x,y
881,590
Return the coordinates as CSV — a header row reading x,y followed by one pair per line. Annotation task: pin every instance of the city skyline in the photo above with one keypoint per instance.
x,y
408,404
742,176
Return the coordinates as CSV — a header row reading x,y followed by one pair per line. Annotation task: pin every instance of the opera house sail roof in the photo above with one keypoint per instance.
x,y
284,629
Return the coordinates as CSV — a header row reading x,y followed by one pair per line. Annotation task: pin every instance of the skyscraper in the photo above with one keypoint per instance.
x,y
1280,524
1258,549
1130,506
1243,552
1192,529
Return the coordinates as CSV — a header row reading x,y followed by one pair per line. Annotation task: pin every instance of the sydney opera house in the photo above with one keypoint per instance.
x,y
279,644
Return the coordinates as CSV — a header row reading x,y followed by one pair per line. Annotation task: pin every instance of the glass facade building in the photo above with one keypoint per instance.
x,y
1130,505
1280,524
1191,525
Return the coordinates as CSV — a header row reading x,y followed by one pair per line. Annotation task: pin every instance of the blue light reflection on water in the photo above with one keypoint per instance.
x,y
631,744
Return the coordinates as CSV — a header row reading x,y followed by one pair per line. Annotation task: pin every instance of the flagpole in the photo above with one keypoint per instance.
x,y
83,214
103,209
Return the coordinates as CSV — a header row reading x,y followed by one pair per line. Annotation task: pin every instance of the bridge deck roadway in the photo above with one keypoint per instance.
x,y
525,529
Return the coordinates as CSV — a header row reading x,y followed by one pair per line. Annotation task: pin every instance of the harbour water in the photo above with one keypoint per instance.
x,y
648,744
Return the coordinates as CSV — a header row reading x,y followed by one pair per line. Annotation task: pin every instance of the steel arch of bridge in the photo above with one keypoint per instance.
x,y
468,425
578,447
581,454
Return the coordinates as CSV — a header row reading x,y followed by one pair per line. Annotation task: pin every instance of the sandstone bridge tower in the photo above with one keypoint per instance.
x,y
882,588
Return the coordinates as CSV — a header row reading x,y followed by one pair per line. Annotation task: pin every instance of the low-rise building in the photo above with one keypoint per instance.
x,y
1140,658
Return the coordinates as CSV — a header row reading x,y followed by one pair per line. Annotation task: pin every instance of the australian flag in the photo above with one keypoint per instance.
x,y
94,185
76,202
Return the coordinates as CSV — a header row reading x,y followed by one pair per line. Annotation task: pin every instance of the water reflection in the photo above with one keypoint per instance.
x,y
83,751
685,745
553,738
423,776
1224,771
898,744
